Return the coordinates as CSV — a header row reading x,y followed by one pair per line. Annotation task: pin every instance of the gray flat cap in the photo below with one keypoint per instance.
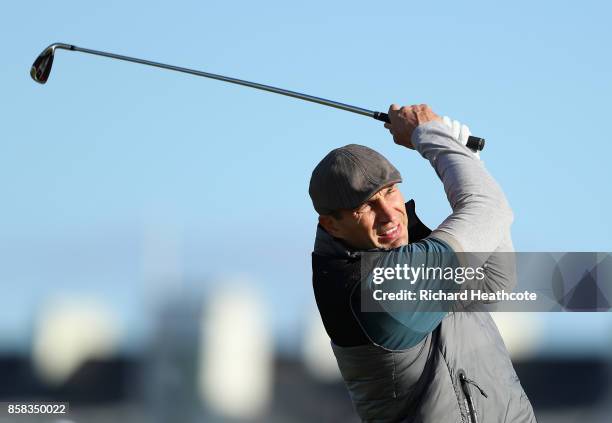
x,y
348,176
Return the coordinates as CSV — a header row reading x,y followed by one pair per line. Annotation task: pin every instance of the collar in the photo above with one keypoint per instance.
x,y
327,245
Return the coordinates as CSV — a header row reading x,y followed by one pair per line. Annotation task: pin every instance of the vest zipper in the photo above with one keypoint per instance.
x,y
465,388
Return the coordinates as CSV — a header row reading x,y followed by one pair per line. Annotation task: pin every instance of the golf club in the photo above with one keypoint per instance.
x,y
41,69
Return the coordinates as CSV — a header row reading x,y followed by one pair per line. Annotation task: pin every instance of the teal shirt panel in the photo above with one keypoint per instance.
x,y
398,330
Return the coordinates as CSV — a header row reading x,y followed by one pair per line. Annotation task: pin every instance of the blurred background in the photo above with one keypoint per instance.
x,y
156,228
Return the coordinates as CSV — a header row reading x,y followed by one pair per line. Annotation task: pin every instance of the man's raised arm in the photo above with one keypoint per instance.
x,y
481,217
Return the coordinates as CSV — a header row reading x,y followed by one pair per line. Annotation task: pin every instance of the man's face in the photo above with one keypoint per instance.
x,y
380,222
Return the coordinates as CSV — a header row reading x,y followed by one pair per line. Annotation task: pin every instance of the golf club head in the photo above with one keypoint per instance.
x,y
41,68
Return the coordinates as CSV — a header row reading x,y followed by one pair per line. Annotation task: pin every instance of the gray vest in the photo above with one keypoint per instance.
x,y
461,372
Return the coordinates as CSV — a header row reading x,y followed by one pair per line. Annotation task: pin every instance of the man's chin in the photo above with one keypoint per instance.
x,y
396,244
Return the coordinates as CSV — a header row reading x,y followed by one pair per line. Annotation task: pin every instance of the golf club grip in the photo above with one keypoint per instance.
x,y
473,143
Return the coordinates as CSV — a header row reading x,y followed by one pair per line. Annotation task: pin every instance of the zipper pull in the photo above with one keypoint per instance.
x,y
471,382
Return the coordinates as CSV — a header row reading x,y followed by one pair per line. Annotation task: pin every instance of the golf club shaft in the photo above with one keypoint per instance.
x,y
323,101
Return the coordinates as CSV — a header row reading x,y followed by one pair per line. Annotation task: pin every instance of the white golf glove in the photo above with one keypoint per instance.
x,y
460,132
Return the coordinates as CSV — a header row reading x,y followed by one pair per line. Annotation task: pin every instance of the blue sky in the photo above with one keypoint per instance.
x,y
110,154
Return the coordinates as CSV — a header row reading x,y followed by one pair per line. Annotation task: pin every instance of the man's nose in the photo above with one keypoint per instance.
x,y
385,211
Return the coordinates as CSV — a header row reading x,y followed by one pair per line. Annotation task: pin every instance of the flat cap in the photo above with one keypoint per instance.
x,y
348,176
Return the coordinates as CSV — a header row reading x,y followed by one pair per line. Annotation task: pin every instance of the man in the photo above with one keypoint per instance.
x,y
435,366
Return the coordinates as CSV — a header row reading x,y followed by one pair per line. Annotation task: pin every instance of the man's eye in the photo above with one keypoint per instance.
x,y
391,190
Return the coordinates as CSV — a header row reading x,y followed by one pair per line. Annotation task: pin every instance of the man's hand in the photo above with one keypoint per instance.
x,y
404,121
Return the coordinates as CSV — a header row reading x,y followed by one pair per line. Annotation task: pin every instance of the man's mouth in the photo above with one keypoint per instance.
x,y
389,234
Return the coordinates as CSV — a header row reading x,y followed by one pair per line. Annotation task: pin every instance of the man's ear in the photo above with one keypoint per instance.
x,y
329,224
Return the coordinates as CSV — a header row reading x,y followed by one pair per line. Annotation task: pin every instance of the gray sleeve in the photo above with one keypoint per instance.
x,y
481,216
